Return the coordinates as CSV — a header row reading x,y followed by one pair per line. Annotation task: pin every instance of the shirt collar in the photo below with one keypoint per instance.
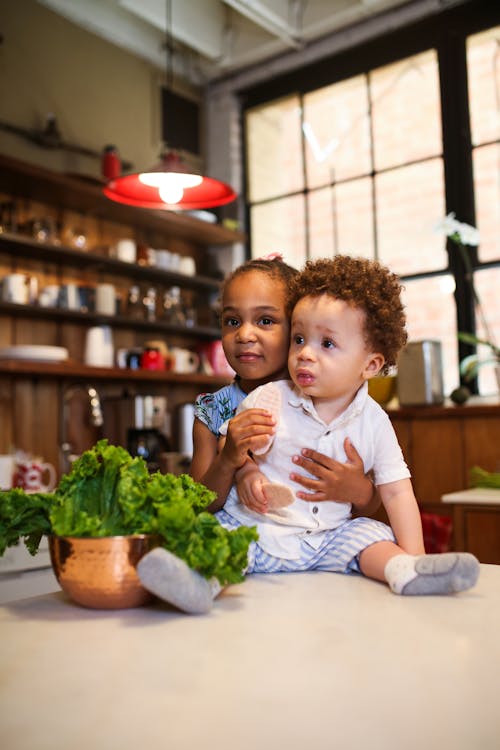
x,y
298,399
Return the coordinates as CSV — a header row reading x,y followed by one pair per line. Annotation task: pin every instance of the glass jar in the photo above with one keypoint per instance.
x,y
172,308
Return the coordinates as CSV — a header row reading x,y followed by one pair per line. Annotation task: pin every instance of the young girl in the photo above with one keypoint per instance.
x,y
255,338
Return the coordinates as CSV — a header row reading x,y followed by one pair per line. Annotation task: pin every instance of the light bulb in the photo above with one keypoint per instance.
x,y
171,191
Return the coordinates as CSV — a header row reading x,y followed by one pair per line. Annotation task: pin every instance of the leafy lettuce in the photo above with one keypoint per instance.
x,y
109,493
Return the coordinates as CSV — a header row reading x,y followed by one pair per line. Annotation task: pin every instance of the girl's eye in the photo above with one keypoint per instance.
x,y
230,322
327,344
266,321
298,339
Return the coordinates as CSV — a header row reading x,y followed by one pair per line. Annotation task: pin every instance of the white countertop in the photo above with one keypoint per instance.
x,y
474,496
310,660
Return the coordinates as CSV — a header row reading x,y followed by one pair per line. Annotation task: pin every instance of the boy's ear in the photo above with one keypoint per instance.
x,y
373,365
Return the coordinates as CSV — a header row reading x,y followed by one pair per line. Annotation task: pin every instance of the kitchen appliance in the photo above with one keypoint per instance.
x,y
148,429
420,374
148,443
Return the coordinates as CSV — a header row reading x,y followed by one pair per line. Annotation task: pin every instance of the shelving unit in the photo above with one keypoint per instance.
x,y
25,247
32,392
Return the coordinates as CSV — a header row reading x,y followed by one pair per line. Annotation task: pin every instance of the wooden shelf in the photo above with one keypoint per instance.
x,y
26,247
115,321
29,181
75,370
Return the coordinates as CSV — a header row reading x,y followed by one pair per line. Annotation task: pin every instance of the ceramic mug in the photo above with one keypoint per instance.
x,y
49,296
214,360
125,250
33,475
184,360
105,299
6,471
99,350
16,288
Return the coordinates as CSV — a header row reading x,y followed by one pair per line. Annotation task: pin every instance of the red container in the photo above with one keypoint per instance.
x,y
152,359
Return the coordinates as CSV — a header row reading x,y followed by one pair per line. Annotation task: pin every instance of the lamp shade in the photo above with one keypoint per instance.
x,y
169,185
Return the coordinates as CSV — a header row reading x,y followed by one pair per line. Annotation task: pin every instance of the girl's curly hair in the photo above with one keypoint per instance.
x,y
274,267
366,285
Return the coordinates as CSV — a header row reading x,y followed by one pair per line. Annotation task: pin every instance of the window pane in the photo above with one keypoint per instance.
x,y
483,70
341,220
487,283
430,310
486,161
410,201
279,227
354,211
406,111
273,148
337,132
322,241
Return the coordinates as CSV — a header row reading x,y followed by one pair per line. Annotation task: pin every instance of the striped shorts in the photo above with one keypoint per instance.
x,y
338,552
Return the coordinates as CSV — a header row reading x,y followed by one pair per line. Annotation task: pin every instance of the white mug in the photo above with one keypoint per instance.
x,y
49,296
105,299
29,474
184,360
16,288
99,347
6,471
125,250
187,265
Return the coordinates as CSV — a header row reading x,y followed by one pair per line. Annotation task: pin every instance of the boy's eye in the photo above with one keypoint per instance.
x,y
266,321
327,344
298,339
230,322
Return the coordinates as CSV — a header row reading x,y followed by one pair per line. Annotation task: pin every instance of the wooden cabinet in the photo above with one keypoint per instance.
x,y
441,445
31,393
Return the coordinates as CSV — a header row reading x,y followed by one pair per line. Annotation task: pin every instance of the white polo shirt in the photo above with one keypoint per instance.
x,y
370,431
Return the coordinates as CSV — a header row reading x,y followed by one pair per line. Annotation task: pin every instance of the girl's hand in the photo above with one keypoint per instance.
x,y
337,481
246,432
249,485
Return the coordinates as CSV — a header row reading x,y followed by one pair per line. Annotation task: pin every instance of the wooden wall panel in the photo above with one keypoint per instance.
x,y
437,458
482,444
6,415
481,534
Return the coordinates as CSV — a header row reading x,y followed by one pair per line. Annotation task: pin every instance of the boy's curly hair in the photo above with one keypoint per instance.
x,y
364,284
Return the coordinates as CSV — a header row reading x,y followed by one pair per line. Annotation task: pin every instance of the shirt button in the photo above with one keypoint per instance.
x,y
315,509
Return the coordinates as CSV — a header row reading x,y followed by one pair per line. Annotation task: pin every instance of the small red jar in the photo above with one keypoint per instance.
x,y
152,359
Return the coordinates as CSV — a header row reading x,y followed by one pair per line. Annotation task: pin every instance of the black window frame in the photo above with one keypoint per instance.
x,y
447,33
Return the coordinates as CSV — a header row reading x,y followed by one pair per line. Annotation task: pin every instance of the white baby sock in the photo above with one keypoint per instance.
x,y
172,580
445,573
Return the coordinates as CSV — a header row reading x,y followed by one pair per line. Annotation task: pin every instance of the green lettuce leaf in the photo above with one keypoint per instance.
x,y
110,493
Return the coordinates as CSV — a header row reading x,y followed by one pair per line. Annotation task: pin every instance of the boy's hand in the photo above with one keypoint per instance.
x,y
246,432
249,483
337,481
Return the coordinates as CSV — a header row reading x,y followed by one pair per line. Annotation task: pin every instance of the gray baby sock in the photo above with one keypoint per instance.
x,y
445,573
172,580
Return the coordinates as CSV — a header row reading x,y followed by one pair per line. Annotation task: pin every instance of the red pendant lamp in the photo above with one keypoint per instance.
x,y
169,184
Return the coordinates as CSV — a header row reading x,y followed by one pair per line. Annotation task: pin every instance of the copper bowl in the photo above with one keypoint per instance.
x,y
100,572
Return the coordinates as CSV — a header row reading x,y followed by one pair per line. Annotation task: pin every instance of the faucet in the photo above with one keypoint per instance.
x,y
95,419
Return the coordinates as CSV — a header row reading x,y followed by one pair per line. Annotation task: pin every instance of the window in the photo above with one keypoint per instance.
x,y
369,163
